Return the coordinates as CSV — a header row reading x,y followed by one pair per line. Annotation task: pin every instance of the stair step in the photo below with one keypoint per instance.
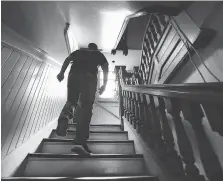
x,y
71,165
99,127
97,135
58,146
130,178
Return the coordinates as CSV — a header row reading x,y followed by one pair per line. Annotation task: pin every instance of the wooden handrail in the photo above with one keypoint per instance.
x,y
212,92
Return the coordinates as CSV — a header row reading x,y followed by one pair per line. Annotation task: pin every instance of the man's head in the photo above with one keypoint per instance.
x,y
92,46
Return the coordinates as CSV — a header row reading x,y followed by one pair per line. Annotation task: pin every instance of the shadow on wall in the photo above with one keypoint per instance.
x,y
211,55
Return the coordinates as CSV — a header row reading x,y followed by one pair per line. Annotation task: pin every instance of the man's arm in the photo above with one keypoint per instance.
x,y
105,77
65,64
67,61
105,73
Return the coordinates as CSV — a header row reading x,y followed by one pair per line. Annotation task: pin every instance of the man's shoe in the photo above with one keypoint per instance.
x,y
80,150
86,148
62,125
61,133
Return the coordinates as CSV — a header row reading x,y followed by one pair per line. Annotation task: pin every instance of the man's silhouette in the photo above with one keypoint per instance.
x,y
82,86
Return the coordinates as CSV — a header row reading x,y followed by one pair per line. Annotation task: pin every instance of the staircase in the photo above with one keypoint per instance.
x,y
113,158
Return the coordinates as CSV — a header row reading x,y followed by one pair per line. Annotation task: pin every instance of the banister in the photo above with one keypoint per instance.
x,y
146,107
193,91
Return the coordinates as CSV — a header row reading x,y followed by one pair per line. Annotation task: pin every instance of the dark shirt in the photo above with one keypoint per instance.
x,y
87,60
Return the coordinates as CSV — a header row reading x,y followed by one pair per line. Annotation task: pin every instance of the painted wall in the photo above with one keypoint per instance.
x,y
31,96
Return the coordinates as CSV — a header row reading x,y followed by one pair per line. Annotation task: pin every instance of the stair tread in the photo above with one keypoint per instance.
x,y
88,141
95,135
136,178
73,165
103,125
63,146
112,132
50,155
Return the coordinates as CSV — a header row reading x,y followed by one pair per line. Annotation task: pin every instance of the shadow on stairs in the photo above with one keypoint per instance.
x,y
113,158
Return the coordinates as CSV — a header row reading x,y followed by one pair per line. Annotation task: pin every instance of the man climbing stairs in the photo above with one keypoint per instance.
x,y
113,158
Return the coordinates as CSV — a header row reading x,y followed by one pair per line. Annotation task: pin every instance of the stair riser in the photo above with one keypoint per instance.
x,y
83,167
133,178
97,128
97,136
96,148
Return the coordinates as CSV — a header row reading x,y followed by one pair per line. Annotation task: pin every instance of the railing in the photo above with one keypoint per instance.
x,y
150,108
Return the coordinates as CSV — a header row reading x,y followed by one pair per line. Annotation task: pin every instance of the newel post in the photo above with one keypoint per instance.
x,y
119,73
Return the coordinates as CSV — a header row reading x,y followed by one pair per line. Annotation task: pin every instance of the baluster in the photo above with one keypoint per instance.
x,y
144,77
154,23
193,113
141,115
147,127
133,109
154,33
125,103
119,71
151,40
137,104
143,59
129,107
214,115
157,135
147,51
132,116
148,48
172,160
157,25
149,44
162,20
184,144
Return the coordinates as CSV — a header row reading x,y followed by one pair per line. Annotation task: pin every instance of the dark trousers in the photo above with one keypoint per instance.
x,y
81,86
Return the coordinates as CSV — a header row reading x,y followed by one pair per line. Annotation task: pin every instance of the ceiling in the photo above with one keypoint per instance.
x,y
100,22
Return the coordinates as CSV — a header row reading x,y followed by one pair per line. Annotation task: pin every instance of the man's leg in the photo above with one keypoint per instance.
x,y
84,114
72,98
84,111
63,120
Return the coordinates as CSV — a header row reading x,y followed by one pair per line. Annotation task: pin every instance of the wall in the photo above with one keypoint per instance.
x,y
39,22
211,17
11,162
100,116
113,107
31,96
131,60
